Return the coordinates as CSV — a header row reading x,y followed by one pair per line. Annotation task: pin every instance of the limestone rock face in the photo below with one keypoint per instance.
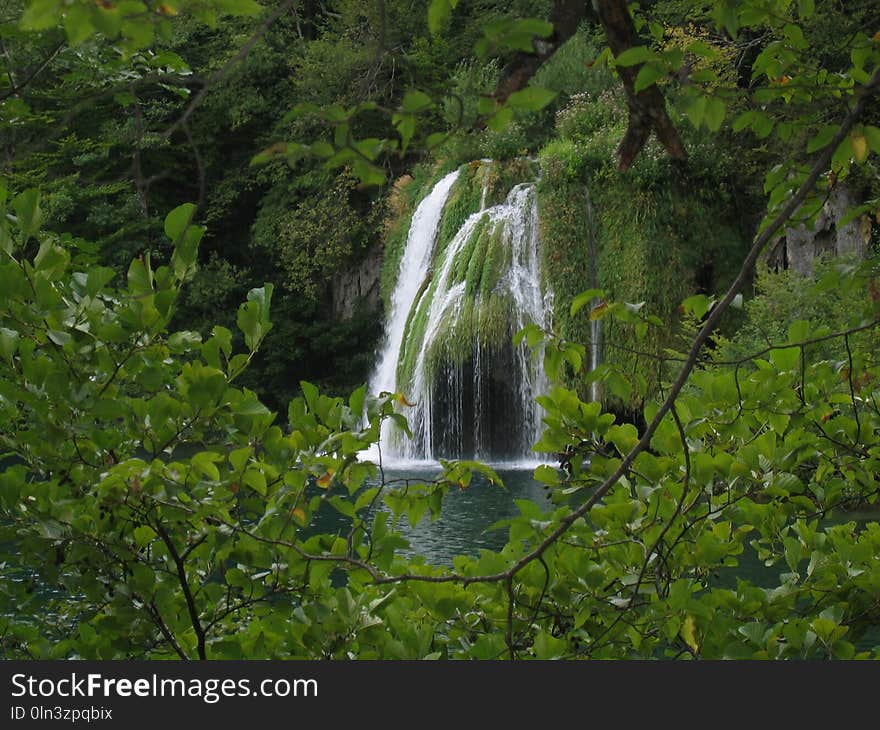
x,y
803,244
358,283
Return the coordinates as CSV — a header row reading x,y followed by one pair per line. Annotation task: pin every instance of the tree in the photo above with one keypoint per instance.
x,y
162,502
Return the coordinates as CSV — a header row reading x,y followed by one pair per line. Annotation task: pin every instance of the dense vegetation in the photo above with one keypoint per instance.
x,y
185,186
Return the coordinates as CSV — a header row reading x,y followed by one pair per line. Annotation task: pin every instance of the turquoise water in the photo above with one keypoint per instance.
x,y
462,528
467,513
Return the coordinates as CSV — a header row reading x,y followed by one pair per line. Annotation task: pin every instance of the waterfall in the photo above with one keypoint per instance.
x,y
414,265
449,337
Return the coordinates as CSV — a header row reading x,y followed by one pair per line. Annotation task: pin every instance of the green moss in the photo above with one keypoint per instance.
x,y
414,336
496,260
466,256
494,328
650,237
497,178
476,264
464,200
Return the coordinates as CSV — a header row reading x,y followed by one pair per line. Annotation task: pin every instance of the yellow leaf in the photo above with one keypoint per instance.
x,y
688,633
299,515
877,36
859,146
325,480
401,398
599,311
167,9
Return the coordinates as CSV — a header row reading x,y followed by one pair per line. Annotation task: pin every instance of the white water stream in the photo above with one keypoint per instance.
x,y
462,392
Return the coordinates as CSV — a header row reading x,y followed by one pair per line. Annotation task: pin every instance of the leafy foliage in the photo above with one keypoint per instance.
x,y
152,506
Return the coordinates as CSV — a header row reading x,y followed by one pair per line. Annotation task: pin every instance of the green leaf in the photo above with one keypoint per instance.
x,y
635,55
531,98
144,535
435,139
78,24
715,112
41,15
416,101
806,8
698,305
499,120
140,277
648,75
237,577
29,215
825,135
311,394
786,358
584,298
439,12
97,278
8,343
58,337
177,221
253,316
204,463
624,437
547,474
872,134
406,128
696,110
256,480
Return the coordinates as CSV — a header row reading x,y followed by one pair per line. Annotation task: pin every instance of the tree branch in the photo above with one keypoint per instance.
x,y
567,15
221,72
647,108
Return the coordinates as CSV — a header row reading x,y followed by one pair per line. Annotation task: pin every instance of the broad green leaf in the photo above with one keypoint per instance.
x,y
204,462
177,221
635,55
872,134
29,216
715,112
416,101
8,343
825,135
51,260
98,277
698,305
439,12
499,120
584,298
140,277
531,98
696,110
648,75
547,474
41,14
236,577
144,535
78,24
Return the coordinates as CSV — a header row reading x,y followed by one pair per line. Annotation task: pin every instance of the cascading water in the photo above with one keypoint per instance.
x,y
449,338
414,266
